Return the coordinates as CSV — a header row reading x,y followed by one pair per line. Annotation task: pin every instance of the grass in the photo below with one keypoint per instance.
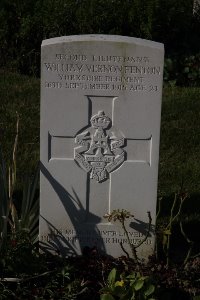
x,y
180,131
179,167
20,93
180,140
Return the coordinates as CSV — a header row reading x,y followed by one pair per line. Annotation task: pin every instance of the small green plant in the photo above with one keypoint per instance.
x,y
135,286
121,216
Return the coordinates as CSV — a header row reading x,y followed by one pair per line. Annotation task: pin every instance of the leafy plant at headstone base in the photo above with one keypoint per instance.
x,y
49,281
121,216
135,286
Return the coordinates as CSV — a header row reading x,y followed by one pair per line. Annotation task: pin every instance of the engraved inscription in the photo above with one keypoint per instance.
x,y
80,68
99,152
107,236
102,72
102,58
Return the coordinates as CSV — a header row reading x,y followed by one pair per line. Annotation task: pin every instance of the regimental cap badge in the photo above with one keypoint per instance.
x,y
99,151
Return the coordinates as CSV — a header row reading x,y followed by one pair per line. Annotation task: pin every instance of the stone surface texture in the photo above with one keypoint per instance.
x,y
100,126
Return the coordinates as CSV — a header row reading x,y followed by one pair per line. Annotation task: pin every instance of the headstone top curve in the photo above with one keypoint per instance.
x,y
103,38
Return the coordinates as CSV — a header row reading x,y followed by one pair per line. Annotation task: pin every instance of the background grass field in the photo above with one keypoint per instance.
x,y
179,166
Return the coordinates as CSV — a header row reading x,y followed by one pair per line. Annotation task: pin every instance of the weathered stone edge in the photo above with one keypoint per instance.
x,y
106,38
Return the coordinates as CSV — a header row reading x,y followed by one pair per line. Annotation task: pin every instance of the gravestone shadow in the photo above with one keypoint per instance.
x,y
60,243
143,227
57,243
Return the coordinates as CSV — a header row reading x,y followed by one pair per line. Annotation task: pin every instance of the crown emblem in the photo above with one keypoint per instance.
x,y
100,120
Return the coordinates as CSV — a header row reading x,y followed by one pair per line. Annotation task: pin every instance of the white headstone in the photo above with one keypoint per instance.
x,y
100,126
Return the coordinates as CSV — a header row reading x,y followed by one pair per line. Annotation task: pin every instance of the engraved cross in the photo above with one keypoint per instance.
x,y
99,149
